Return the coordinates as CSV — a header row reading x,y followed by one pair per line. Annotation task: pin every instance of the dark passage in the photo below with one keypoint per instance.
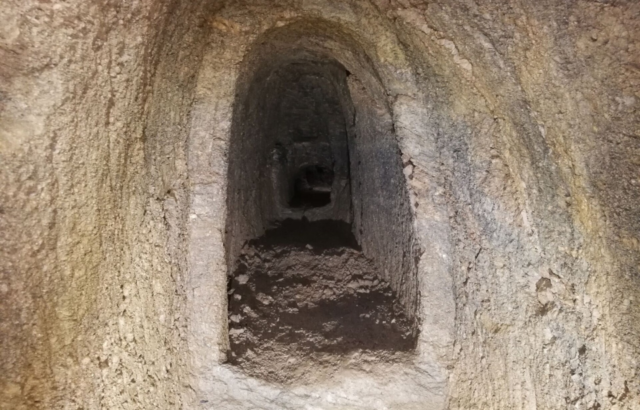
x,y
319,243
312,187
305,123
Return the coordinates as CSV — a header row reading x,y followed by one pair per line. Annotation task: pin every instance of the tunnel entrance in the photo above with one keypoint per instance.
x,y
319,241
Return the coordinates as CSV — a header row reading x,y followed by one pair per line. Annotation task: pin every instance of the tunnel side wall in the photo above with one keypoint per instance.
x,y
93,119
383,221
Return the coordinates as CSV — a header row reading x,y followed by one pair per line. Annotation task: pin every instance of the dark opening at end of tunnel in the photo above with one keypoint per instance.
x,y
312,187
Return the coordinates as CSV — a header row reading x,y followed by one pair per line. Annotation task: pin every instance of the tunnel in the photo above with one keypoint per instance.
x,y
319,228
319,204
292,155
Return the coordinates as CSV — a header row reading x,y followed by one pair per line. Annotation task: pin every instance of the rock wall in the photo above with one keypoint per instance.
x,y
95,97
518,130
532,213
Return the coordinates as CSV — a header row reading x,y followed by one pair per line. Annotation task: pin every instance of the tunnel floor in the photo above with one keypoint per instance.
x,y
303,297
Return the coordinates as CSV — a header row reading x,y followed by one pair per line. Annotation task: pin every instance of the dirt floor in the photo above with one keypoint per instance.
x,y
303,300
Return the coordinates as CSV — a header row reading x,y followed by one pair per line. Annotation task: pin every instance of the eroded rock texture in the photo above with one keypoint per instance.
x,y
507,133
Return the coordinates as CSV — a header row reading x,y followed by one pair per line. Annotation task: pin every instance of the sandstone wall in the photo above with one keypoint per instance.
x,y
95,96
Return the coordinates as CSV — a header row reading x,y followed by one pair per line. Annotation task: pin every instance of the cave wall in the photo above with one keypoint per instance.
x,y
383,221
518,130
94,102
535,317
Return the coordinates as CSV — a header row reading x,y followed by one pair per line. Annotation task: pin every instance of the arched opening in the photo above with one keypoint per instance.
x,y
320,248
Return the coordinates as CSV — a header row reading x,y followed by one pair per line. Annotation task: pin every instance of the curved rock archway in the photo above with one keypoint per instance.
x,y
379,173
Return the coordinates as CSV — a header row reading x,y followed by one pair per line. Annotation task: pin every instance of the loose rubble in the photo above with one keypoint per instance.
x,y
292,307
